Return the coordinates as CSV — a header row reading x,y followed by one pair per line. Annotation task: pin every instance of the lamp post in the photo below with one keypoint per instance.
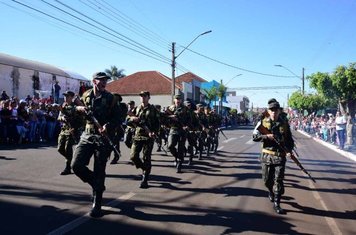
x,y
174,57
220,99
302,78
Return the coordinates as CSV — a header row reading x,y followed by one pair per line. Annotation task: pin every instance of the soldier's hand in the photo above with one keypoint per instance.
x,y
152,135
270,136
135,119
103,129
288,155
81,109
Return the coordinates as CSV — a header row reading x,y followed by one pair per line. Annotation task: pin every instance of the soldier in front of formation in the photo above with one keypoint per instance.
x,y
101,120
179,121
70,121
145,118
276,146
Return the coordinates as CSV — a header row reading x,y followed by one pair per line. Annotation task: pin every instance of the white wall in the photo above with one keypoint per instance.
x,y
26,82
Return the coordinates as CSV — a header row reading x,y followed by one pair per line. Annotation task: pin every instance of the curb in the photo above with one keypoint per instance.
x,y
344,153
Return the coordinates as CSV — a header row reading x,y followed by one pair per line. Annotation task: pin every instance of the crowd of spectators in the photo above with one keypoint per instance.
x,y
336,129
28,120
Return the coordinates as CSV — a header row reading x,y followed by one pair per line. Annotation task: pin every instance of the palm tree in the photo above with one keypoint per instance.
x,y
114,73
210,94
221,91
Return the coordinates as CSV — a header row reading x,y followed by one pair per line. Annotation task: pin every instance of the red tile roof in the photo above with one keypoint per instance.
x,y
189,77
152,81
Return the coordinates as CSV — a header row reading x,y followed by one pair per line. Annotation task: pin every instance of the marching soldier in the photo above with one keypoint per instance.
x,y
129,130
179,122
70,123
203,125
161,136
146,119
119,132
274,146
102,118
193,126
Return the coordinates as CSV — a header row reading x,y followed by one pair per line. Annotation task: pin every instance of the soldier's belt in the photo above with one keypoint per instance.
x,y
273,153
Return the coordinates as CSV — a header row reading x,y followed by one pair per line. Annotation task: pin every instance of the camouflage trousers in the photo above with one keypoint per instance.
x,y
146,146
65,147
273,176
88,146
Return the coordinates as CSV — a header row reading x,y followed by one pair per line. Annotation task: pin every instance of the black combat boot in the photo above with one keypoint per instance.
x,y
97,199
144,183
190,162
271,196
115,159
179,166
67,170
277,208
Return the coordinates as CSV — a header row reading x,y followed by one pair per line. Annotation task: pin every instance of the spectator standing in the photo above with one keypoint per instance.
x,y
56,89
340,122
4,96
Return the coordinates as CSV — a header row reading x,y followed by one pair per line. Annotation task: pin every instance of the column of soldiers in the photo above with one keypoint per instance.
x,y
182,128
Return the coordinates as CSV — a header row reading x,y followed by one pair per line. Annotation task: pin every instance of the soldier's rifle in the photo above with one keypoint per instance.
x,y
264,131
222,132
90,115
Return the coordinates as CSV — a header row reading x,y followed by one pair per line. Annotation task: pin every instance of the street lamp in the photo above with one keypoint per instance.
x,y
302,78
221,82
174,57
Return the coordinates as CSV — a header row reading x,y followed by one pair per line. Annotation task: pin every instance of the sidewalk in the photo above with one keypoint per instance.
x,y
349,153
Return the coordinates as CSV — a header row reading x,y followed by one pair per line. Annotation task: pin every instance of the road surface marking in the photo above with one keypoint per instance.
x,y
220,148
330,221
228,140
81,220
250,142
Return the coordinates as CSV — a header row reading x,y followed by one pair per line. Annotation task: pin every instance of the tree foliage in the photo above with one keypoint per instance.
x,y
211,94
114,73
310,102
340,85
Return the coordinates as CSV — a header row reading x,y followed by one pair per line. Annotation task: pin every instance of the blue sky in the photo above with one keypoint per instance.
x,y
248,37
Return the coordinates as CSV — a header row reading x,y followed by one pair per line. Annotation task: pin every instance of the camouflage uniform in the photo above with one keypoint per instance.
x,y
92,142
273,157
177,135
201,134
70,123
148,122
191,133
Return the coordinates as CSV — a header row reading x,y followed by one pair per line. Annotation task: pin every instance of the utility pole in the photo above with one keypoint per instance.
x,y
174,57
173,71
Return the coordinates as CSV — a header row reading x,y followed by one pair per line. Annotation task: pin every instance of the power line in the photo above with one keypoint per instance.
x,y
239,68
87,31
125,39
132,25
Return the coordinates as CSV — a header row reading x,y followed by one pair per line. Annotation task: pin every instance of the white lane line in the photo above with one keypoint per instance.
x,y
250,142
79,221
242,136
228,140
220,148
330,221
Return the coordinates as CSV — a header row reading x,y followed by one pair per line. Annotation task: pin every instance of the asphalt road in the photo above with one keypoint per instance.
x,y
222,194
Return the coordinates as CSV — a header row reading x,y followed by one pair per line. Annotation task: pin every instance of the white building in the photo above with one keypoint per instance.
x,y
20,77
240,103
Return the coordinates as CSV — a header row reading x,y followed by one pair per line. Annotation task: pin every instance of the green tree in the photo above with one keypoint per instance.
x,y
339,85
114,73
221,92
309,102
210,94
